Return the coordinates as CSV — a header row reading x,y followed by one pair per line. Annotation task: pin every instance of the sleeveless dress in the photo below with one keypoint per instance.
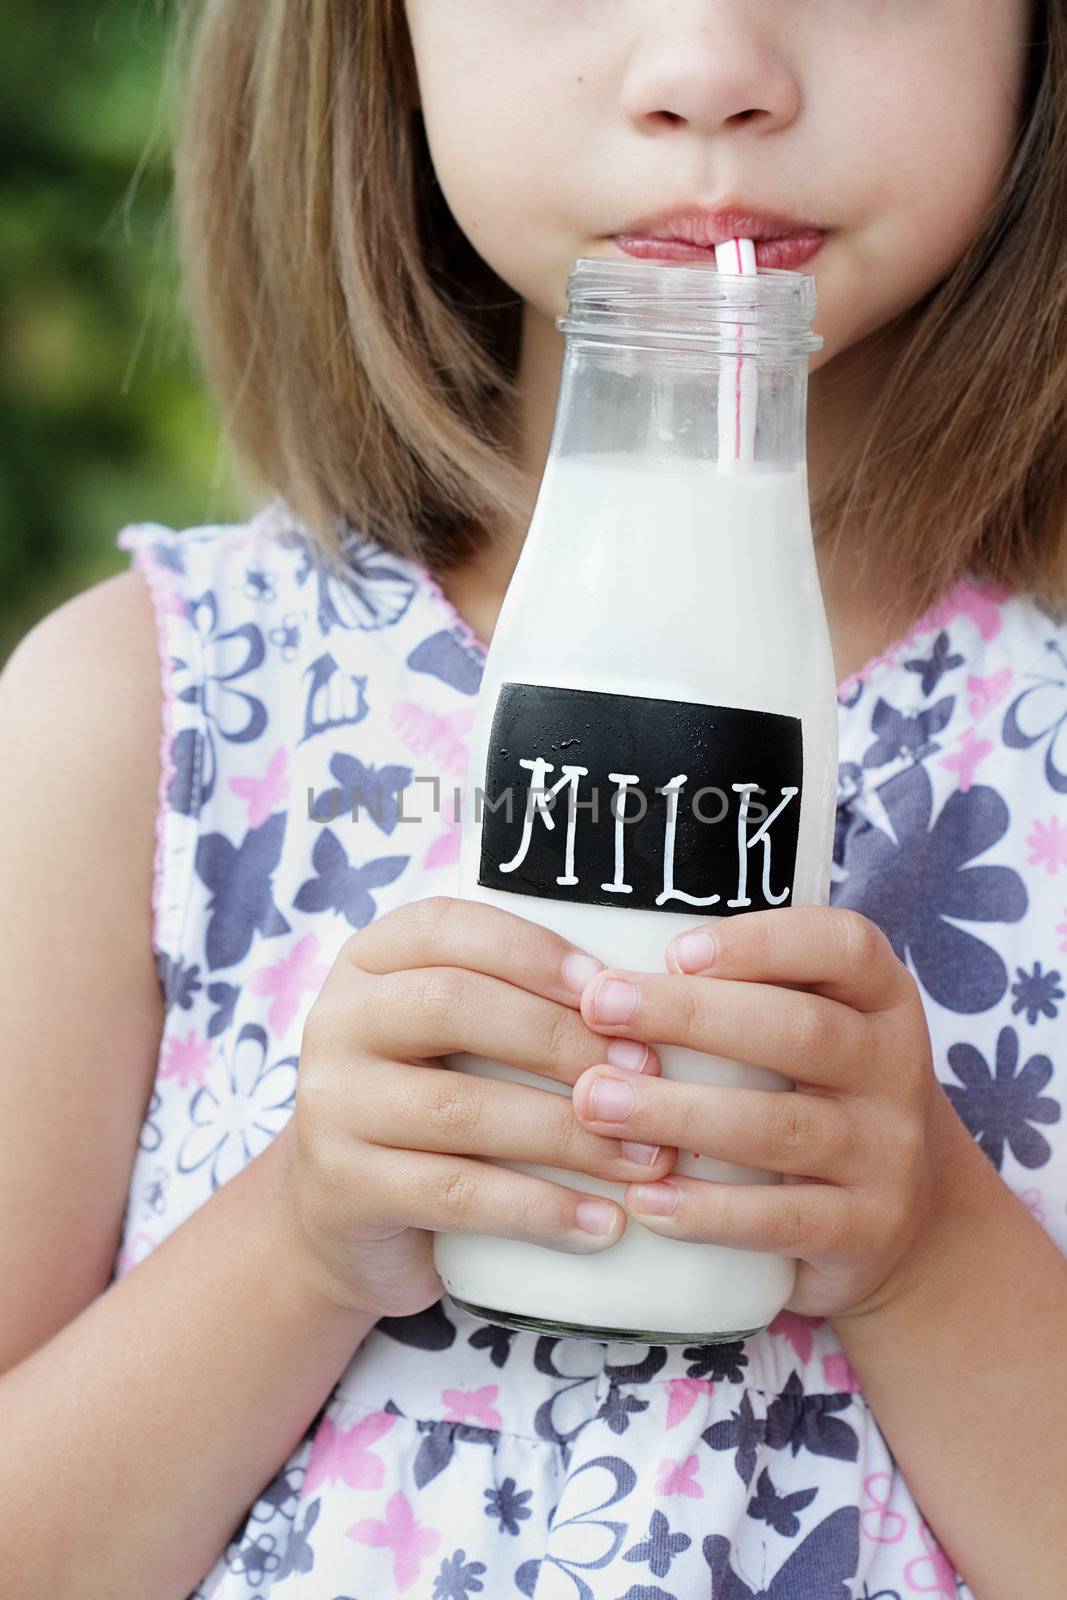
x,y
456,1457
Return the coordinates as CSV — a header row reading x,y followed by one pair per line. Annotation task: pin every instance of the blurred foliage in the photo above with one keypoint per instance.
x,y
103,417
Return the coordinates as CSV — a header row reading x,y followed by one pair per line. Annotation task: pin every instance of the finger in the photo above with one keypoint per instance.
x,y
432,1011
450,1194
807,1135
803,1035
442,931
454,1113
833,950
811,1220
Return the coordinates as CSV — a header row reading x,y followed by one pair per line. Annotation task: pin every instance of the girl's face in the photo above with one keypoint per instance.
x,y
553,124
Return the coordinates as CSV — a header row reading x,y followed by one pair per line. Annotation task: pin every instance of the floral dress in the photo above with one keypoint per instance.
x,y
456,1457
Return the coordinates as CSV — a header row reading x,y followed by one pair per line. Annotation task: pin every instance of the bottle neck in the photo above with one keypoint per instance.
x,y
664,404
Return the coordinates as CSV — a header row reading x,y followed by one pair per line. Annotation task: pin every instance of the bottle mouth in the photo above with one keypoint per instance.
x,y
768,312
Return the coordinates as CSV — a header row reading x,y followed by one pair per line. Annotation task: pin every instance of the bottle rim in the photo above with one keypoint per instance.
x,y
768,312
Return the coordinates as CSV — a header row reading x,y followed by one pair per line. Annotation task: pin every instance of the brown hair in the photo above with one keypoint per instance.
x,y
365,356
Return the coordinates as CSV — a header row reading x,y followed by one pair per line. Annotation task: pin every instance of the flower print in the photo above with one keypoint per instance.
x,y
967,758
508,1507
496,1339
660,1547
235,714
679,1477
934,1564
476,1405
240,878
934,667
899,735
916,885
1001,1108
400,1532
820,1566
264,794
1040,713
1036,993
767,1505
281,1495
299,1556
362,588
260,585
723,1362
154,1193
581,1539
346,1454
682,1396
180,983
256,1559
286,637
186,1059
238,1118
458,1577
344,889
373,790
879,1523
288,980
1048,844
224,996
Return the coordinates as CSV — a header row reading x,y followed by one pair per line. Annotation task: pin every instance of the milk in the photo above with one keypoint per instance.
x,y
678,579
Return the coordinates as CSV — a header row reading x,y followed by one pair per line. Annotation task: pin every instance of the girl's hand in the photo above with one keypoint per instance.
x,y
384,1140
818,995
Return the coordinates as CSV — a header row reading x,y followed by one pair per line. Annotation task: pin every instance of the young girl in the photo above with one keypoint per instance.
x,y
225,1001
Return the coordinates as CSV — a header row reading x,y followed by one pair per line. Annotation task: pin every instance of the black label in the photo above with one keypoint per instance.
x,y
623,800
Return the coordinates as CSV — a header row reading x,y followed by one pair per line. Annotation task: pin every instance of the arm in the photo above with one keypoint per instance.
x,y
196,1375
966,1371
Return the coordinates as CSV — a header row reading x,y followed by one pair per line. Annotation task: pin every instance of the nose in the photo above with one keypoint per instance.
x,y
710,66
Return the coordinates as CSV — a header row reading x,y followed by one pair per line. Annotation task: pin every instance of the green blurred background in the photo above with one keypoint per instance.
x,y
103,417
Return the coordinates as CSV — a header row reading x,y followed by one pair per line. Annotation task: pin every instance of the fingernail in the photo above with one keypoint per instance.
x,y
657,1199
610,1100
615,1001
596,1216
627,1053
644,1154
694,951
578,969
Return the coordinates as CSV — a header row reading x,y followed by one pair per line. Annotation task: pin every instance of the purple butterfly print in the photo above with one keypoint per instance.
x,y
424,1330
660,1546
299,1556
344,889
899,735
572,1544
239,716
445,656
372,790
767,1505
240,880
362,589
328,684
818,1569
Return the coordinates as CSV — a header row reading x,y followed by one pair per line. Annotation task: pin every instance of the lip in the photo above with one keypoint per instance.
x,y
691,232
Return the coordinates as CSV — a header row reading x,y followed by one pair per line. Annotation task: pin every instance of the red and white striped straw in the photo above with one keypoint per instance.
x,y
737,387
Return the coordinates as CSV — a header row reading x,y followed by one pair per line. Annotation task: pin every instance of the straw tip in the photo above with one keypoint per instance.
x,y
737,256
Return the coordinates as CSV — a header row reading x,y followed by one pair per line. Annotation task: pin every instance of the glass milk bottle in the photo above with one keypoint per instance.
x,y
655,742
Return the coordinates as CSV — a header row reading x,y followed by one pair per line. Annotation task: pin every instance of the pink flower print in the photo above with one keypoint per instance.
x,y
441,738
1049,846
797,1329
264,794
938,1574
985,692
411,1544
444,850
677,1477
287,980
345,1453
186,1059
879,1524
967,757
473,1406
682,1396
838,1373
